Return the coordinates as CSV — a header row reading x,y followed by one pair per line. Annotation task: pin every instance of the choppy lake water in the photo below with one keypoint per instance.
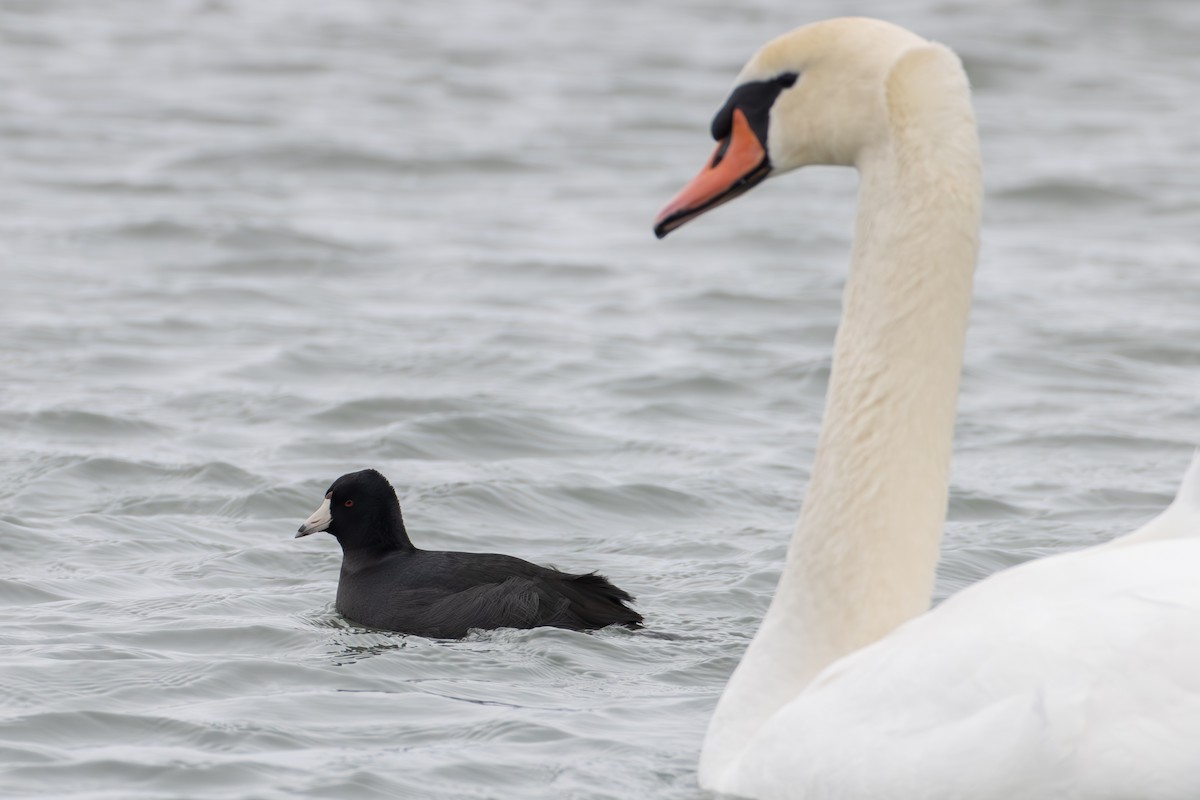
x,y
250,246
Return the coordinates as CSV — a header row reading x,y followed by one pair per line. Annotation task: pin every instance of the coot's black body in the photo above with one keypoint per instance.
x,y
388,583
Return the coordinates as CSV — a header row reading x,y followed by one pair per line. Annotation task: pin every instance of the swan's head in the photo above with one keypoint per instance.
x,y
816,95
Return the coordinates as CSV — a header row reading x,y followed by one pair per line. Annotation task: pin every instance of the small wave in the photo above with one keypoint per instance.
x,y
22,593
345,159
659,386
731,301
240,236
492,436
1070,193
370,412
976,506
88,424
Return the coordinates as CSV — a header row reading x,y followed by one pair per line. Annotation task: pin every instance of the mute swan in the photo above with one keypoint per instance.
x,y
1073,676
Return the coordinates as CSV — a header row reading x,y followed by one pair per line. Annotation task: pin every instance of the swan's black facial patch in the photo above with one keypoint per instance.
x,y
755,100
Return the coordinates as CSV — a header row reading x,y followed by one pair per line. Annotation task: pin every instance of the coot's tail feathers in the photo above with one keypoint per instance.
x,y
594,602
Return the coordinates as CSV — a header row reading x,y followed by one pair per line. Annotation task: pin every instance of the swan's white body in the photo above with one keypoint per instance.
x,y
1075,676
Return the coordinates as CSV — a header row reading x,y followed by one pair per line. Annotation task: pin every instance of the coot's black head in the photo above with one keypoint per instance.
x,y
362,511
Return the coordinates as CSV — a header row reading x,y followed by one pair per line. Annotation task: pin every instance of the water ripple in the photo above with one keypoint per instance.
x,y
252,246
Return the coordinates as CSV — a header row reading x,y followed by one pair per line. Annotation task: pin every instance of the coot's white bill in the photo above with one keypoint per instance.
x,y
318,522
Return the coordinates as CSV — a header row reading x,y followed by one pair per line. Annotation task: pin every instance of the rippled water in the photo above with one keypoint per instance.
x,y
250,246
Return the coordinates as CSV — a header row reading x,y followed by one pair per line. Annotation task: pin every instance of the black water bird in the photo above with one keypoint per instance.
x,y
388,583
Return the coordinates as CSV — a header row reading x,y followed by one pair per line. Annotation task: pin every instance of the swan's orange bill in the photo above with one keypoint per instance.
x,y
738,164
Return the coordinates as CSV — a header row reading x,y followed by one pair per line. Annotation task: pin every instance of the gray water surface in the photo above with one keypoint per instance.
x,y
250,246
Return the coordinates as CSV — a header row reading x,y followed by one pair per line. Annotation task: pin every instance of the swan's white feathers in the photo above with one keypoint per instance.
x,y
1189,491
1030,684
1180,520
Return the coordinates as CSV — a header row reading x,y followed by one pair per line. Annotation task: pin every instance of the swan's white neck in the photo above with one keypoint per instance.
x,y
863,555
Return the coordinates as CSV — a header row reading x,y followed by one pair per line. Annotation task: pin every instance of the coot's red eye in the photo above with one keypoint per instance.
x,y
349,503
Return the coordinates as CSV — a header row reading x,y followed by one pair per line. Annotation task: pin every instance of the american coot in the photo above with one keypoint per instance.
x,y
388,583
